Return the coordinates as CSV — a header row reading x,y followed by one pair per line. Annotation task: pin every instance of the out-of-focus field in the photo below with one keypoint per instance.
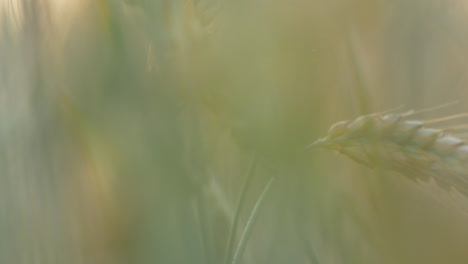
x,y
127,130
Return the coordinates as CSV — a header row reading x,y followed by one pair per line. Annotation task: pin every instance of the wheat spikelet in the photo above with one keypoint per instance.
x,y
392,141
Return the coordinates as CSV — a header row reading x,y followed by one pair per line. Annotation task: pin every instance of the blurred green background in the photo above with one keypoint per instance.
x,y
128,130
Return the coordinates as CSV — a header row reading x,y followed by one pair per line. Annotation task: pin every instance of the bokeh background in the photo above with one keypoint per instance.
x,y
174,131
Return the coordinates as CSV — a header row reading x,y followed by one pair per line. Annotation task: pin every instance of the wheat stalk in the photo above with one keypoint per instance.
x,y
392,141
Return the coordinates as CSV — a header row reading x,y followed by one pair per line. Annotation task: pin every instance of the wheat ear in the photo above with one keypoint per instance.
x,y
393,141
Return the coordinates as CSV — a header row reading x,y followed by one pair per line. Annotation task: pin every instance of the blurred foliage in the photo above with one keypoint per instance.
x,y
127,129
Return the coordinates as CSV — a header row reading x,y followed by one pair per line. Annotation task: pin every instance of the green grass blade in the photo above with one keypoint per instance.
x,y
250,223
239,206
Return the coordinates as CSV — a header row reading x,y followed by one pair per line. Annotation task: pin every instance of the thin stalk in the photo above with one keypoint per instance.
x,y
361,88
204,222
250,223
240,203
